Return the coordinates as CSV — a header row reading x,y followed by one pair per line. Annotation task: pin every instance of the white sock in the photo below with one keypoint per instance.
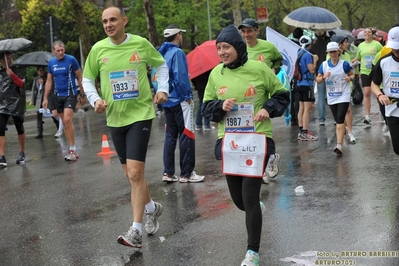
x,y
138,226
150,206
72,148
61,126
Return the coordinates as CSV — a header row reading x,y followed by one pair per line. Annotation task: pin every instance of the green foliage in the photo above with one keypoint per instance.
x,y
27,18
35,13
190,15
31,72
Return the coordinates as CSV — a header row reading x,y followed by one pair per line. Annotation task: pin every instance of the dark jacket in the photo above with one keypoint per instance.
x,y
12,98
319,47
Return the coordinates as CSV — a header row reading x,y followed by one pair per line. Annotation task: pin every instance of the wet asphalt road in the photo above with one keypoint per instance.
x,y
70,213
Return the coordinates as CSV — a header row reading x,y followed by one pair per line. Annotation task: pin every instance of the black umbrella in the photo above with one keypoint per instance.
x,y
39,58
345,33
13,45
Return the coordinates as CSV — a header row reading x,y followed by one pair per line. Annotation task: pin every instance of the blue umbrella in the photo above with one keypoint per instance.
x,y
312,17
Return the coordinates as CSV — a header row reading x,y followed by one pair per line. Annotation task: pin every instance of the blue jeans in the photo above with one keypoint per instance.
x,y
321,101
198,118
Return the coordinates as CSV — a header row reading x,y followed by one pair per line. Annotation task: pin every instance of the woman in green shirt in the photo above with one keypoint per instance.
x,y
366,52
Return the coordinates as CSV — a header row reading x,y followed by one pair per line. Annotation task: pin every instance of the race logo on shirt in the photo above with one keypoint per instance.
x,y
135,58
105,60
261,58
222,90
250,92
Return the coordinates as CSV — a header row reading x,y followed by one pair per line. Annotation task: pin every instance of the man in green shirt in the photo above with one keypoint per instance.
x,y
267,52
258,49
120,60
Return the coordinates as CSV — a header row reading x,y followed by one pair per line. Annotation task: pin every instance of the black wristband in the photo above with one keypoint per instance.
x,y
82,95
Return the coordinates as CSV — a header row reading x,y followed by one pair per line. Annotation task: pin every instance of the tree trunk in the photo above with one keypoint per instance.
x,y
151,26
82,26
236,12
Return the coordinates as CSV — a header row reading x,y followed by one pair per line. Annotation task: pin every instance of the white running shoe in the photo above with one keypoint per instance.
x,y
170,178
193,178
251,259
131,238
338,150
385,128
272,167
367,120
265,178
152,224
71,156
352,138
59,134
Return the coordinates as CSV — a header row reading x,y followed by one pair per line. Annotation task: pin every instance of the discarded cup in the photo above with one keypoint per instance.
x,y
299,190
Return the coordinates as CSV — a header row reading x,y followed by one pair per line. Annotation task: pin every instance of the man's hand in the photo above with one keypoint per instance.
x,y
100,106
160,97
45,103
82,99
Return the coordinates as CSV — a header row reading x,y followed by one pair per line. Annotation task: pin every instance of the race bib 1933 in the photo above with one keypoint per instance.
x,y
124,84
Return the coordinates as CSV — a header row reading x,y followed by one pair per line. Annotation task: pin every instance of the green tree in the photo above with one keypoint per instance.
x,y
188,14
35,13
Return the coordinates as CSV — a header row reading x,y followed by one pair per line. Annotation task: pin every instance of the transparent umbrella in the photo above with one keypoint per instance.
x,y
13,45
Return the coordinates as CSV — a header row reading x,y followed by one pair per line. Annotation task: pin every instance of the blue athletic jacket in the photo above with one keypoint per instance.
x,y
179,83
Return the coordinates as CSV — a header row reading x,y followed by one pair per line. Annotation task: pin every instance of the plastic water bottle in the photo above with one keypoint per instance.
x,y
262,206
287,120
45,112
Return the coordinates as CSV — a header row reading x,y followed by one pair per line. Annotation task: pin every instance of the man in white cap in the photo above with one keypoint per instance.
x,y
179,110
386,72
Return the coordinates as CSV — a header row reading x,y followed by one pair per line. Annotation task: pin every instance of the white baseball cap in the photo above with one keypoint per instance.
x,y
305,41
172,30
332,46
393,38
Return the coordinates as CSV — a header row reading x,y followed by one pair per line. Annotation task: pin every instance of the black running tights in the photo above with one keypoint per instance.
x,y
245,193
393,124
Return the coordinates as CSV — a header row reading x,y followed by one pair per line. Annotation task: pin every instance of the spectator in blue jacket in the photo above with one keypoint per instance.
x,y
178,110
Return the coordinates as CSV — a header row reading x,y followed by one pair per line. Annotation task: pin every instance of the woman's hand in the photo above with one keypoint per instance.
x,y
228,104
262,115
